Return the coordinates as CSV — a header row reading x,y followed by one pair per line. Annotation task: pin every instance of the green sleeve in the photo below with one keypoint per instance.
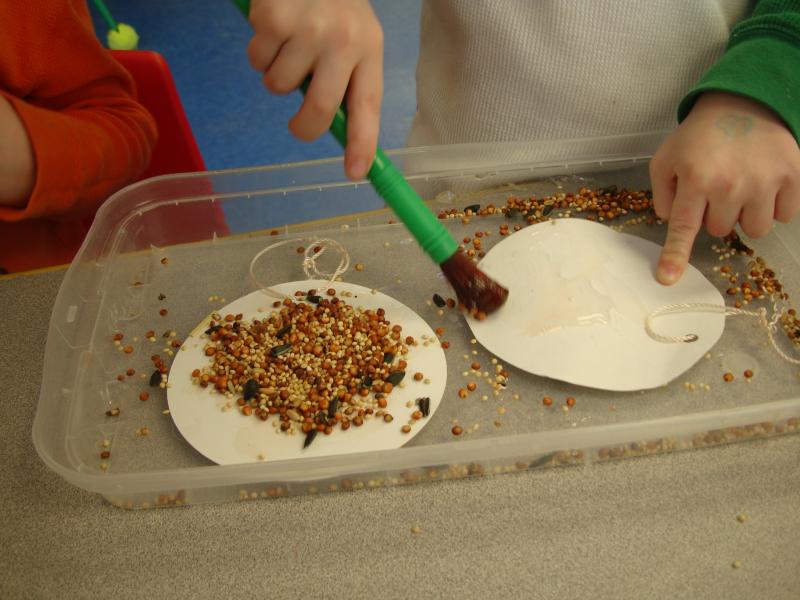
x,y
761,62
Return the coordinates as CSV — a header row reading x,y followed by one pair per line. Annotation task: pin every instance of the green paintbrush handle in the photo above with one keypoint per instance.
x,y
110,21
393,188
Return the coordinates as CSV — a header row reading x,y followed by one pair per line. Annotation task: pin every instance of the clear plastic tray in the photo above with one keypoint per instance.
x,y
115,282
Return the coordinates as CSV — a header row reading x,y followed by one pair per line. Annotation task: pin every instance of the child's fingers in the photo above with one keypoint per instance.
x,y
724,209
787,202
685,220
262,51
363,116
662,179
293,63
325,94
757,215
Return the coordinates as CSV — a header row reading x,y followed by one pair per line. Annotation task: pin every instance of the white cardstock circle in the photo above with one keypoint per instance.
x,y
579,294
228,437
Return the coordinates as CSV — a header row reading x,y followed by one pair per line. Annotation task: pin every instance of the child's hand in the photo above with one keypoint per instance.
x,y
341,43
732,159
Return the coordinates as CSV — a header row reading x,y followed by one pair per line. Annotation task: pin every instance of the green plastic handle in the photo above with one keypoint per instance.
x,y
392,186
111,22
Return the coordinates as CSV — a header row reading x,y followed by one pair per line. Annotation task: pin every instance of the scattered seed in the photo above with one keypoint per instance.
x,y
748,373
741,517
163,312
457,430
250,389
727,377
415,530
105,454
359,266
406,429
127,349
162,297
332,407
570,401
445,345
737,564
331,292
155,378
112,412
164,260
312,433
424,406
277,351
439,301
144,396
388,418
547,401
395,377
471,386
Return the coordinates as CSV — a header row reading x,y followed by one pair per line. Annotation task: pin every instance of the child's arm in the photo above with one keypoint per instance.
x,y
76,107
16,158
735,156
341,43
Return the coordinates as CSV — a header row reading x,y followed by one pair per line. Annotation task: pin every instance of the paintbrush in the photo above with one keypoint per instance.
x,y
476,292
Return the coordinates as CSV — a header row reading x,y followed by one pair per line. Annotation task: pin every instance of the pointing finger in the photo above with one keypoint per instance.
x,y
685,220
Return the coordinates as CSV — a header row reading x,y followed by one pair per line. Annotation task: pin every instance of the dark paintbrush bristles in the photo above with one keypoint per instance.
x,y
476,292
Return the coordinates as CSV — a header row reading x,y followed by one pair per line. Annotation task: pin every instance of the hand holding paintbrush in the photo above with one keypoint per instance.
x,y
476,292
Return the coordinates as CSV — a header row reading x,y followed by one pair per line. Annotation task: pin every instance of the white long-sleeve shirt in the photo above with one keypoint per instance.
x,y
518,70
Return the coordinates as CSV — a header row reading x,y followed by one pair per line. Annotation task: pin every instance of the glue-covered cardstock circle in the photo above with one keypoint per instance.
x,y
579,295
211,423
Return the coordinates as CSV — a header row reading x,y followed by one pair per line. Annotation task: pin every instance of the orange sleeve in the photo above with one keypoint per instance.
x,y
89,135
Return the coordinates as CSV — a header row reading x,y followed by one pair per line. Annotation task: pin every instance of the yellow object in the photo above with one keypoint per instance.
x,y
122,38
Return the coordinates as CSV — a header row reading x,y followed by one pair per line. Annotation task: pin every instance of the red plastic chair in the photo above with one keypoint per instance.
x,y
176,150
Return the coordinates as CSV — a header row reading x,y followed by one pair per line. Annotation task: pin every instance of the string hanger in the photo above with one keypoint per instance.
x,y
769,324
313,252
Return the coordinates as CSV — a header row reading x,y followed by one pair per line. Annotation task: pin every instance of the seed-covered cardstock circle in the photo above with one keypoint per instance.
x,y
215,427
579,295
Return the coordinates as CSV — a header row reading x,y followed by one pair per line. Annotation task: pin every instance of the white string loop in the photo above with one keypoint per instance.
x,y
770,325
310,267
